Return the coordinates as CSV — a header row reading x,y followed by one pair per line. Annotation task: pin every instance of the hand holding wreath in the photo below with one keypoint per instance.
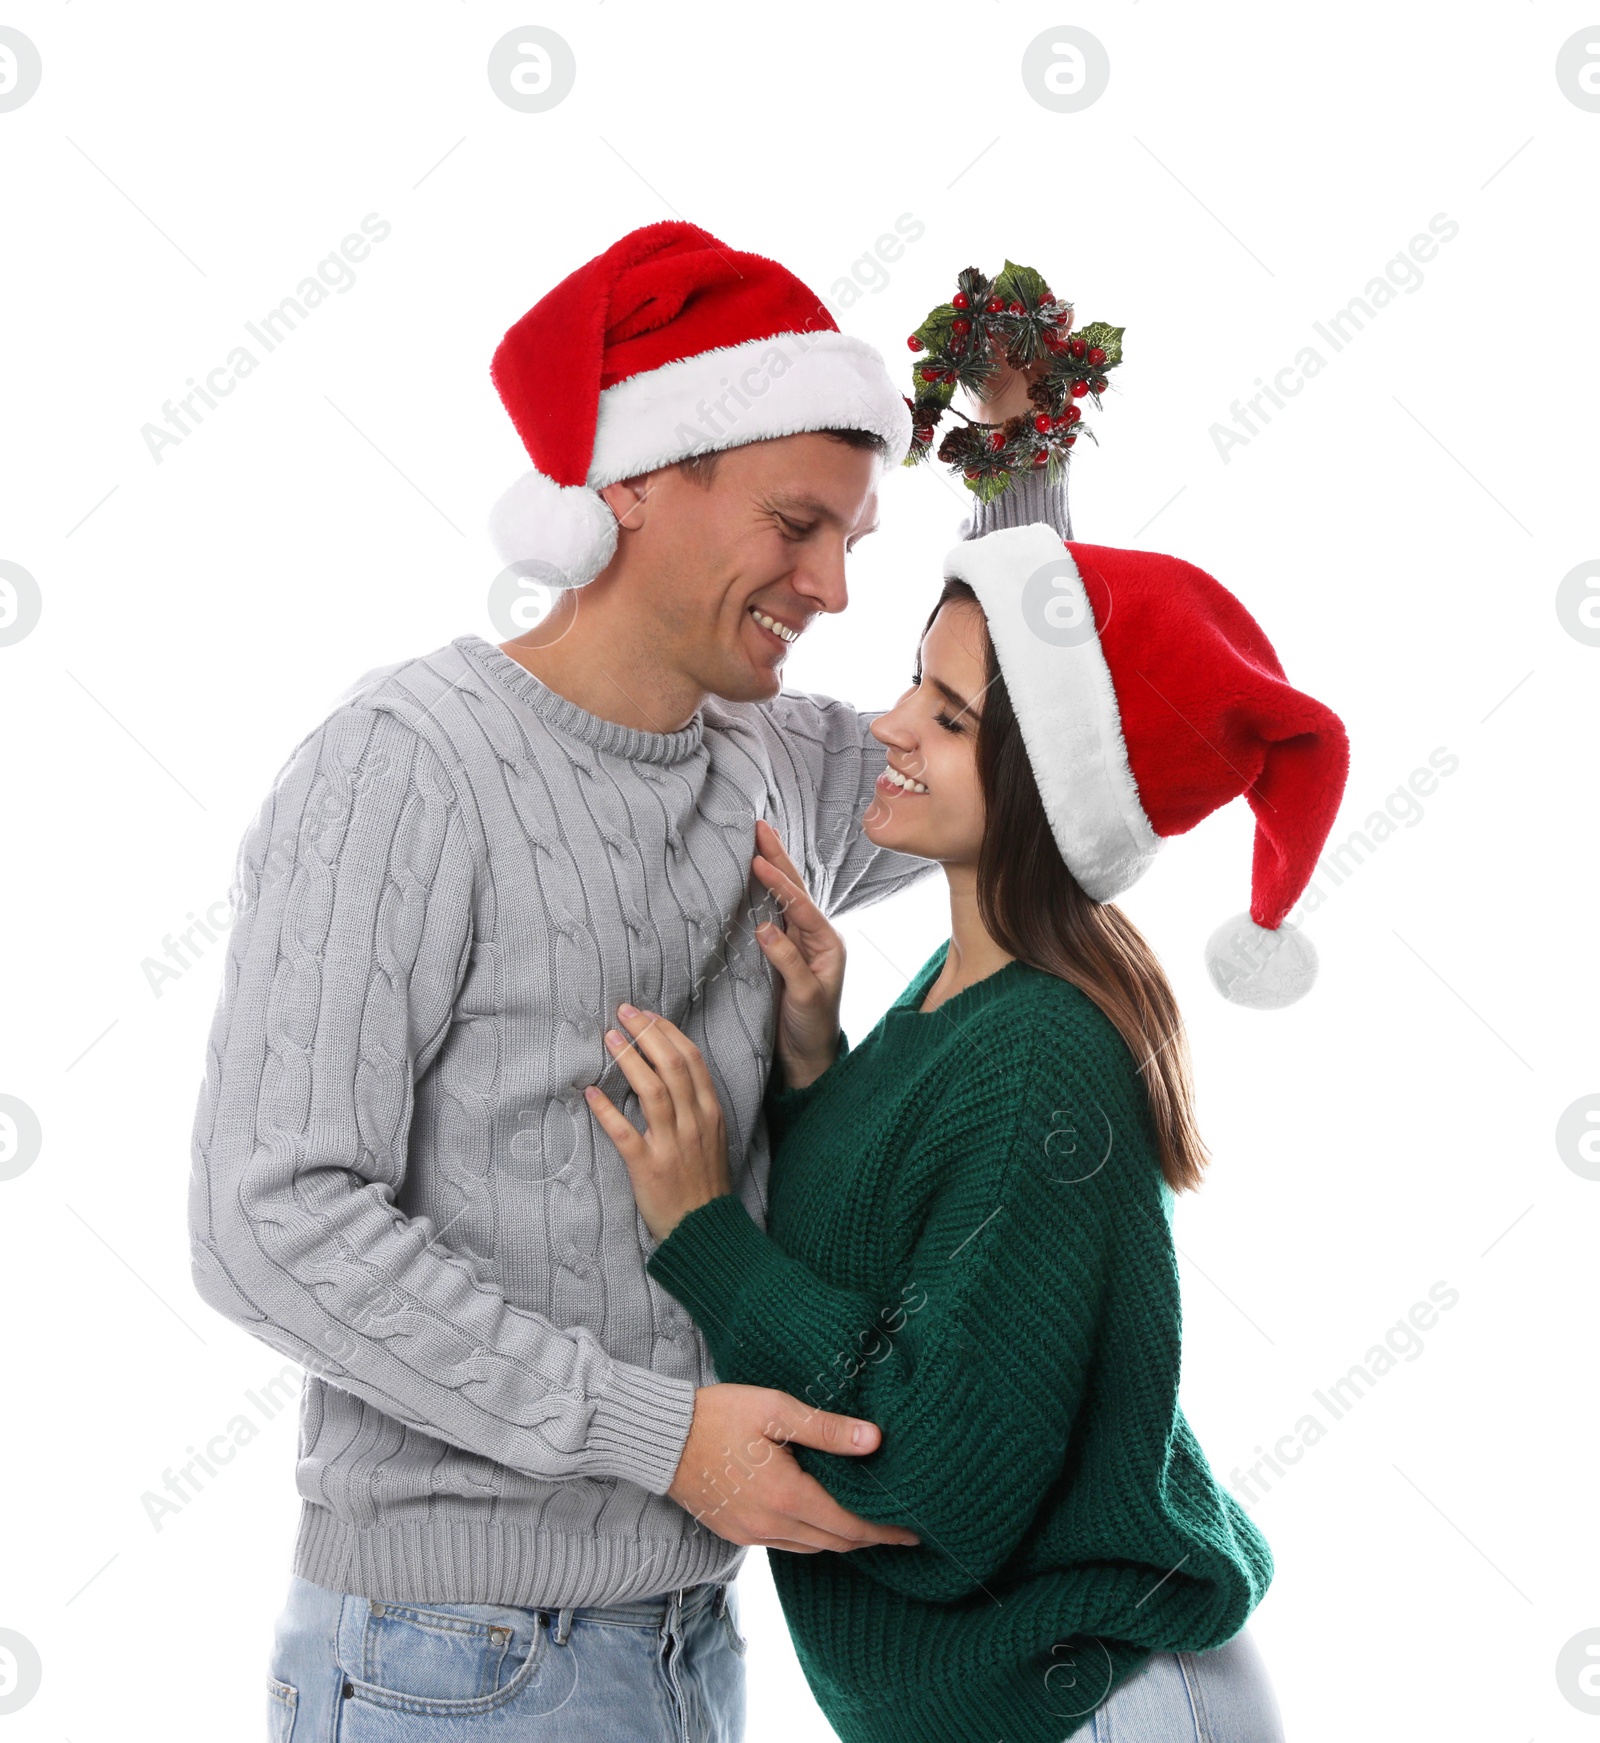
x,y
1008,344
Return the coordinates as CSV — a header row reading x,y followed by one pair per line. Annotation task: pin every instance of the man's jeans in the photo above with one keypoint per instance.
x,y
348,1669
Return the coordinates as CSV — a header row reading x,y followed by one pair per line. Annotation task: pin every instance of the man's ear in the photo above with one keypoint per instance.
x,y
626,499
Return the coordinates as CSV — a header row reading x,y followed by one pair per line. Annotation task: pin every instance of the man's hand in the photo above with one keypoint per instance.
x,y
738,1477
1005,393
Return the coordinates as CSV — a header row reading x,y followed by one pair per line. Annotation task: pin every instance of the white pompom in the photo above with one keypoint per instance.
x,y
567,529
1260,967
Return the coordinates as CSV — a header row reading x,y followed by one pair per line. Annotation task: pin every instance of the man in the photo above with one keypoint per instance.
x,y
522,1488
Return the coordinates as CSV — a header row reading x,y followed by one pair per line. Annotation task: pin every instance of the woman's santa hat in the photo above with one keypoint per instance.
x,y
1147,696
669,344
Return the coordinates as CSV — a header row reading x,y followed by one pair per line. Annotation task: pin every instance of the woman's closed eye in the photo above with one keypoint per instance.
x,y
949,722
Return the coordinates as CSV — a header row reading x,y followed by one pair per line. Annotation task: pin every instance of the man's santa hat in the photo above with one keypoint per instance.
x,y
669,344
1147,696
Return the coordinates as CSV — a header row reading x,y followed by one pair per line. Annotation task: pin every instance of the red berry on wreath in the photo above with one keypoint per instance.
x,y
959,300
1072,414
1041,456
997,440
994,305
1053,340
1071,440
1015,307
1099,384
1079,388
972,472
914,342
1078,347
1097,356
961,326
1043,421
929,374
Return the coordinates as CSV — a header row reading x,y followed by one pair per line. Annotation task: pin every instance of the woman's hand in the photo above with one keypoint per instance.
x,y
681,1161
809,954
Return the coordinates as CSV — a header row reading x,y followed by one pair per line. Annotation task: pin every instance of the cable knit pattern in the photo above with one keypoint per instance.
x,y
969,1243
456,879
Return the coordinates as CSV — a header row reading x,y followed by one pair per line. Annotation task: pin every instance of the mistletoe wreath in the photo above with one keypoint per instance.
x,y
1014,317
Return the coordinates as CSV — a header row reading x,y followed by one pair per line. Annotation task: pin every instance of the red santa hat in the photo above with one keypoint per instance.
x,y
1147,696
667,345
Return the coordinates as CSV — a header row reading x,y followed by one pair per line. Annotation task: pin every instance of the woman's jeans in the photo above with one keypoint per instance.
x,y
1220,1696
348,1669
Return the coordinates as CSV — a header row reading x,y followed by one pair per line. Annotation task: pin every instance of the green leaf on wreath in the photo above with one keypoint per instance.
x,y
1021,284
1107,337
990,485
936,393
935,331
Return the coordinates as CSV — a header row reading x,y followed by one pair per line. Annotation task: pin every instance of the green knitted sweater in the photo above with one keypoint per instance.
x,y
969,1243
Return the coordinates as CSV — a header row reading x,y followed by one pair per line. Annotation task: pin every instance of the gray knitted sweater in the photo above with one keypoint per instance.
x,y
397,1182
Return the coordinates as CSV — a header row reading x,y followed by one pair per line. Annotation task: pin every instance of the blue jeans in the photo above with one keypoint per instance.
x,y
348,1669
1220,1696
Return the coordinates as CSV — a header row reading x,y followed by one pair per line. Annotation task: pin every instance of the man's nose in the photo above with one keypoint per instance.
x,y
823,578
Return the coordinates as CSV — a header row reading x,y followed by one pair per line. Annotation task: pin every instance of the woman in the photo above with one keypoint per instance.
x,y
968,1238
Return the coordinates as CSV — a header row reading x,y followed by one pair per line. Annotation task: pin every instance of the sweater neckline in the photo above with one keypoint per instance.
x,y
981,992
635,743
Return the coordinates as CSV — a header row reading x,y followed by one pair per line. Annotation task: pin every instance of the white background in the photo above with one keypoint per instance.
x,y
1400,530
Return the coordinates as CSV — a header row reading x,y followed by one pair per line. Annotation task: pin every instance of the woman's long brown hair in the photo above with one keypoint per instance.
x,y
1034,908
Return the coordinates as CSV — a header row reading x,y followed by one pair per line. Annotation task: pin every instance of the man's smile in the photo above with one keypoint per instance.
x,y
783,632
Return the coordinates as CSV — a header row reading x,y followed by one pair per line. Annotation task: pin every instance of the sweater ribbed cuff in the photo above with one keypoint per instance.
x,y
782,1105
641,1421
708,1262
1030,499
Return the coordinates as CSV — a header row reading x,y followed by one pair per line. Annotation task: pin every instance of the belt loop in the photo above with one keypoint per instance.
x,y
563,1625
720,1602
669,1619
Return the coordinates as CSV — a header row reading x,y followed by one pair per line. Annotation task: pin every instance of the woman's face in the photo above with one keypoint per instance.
x,y
931,734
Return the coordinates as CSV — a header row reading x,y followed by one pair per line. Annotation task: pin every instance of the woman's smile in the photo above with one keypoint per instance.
x,y
892,781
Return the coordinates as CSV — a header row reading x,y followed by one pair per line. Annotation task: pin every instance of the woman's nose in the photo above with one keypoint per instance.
x,y
891,732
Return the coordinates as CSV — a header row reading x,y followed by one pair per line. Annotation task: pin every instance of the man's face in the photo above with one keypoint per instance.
x,y
768,535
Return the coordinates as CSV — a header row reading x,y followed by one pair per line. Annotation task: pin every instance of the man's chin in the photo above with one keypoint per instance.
x,y
746,680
